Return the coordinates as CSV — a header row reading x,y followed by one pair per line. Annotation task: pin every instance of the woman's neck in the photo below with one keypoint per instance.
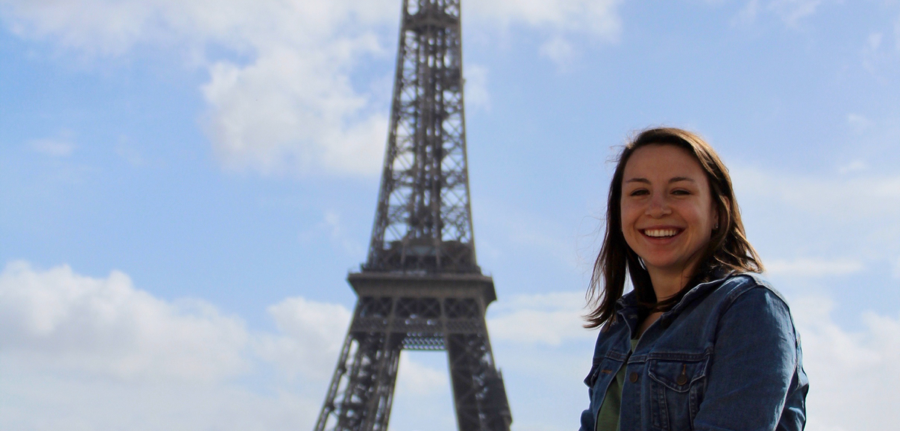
x,y
667,284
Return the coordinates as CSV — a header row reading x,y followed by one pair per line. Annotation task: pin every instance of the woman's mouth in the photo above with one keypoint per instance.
x,y
661,233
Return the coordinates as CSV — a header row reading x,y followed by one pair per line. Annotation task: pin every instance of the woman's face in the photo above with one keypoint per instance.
x,y
667,210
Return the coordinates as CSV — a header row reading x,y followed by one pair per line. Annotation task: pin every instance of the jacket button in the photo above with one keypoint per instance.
x,y
633,377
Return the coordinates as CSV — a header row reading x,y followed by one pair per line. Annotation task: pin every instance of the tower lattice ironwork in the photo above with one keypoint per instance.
x,y
421,287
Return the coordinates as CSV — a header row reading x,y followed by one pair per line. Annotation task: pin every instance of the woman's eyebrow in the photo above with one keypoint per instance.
x,y
677,179
673,180
638,180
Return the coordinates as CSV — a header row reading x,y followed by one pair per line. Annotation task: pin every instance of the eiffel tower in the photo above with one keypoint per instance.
x,y
420,287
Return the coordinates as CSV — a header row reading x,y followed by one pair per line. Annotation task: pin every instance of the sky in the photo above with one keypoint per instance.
x,y
184,186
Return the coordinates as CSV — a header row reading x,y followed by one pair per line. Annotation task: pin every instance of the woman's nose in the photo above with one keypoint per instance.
x,y
658,206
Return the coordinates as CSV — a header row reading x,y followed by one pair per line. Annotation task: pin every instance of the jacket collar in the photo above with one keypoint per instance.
x,y
627,305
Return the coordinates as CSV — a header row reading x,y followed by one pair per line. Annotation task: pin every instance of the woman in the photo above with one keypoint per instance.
x,y
702,342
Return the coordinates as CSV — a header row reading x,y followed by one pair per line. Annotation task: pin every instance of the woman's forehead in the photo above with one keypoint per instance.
x,y
652,163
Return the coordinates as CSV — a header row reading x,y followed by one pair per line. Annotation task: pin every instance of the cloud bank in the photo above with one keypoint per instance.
x,y
60,320
104,354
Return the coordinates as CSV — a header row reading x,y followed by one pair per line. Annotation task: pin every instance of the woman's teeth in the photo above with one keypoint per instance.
x,y
660,233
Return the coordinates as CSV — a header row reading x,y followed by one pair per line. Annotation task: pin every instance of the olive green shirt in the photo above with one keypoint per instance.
x,y
608,417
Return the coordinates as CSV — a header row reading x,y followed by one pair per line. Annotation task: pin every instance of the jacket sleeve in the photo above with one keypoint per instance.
x,y
587,416
755,369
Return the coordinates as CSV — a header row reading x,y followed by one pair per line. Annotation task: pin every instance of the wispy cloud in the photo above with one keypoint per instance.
x,y
840,198
559,50
598,18
868,361
477,94
790,12
872,55
810,267
52,147
332,225
836,224
854,166
747,14
419,379
859,123
548,319
310,338
897,34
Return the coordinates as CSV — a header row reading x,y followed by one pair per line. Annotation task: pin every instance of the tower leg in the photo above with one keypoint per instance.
x,y
478,390
362,388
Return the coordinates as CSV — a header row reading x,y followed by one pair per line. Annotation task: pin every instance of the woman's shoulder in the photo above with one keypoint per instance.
x,y
740,284
750,297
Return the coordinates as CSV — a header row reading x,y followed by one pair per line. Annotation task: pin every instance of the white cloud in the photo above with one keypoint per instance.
x,y
112,27
810,267
106,326
815,225
559,50
897,34
477,95
548,319
52,147
854,166
748,13
129,153
594,17
333,226
839,198
419,379
311,340
39,400
294,112
872,56
853,374
551,238
791,11
560,19
290,107
858,122
57,319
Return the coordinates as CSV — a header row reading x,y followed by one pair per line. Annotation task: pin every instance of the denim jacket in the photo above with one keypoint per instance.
x,y
726,357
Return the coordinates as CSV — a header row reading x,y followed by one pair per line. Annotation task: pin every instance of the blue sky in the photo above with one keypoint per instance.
x,y
185,185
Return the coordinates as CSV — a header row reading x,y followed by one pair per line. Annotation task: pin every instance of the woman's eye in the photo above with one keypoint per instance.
x,y
680,192
638,192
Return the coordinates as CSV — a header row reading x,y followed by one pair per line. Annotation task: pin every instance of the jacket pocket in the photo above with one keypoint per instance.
x,y
676,389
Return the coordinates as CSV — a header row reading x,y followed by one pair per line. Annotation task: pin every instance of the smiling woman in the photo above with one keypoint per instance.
x,y
702,342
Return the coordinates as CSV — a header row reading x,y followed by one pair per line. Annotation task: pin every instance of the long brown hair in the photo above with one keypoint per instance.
x,y
727,249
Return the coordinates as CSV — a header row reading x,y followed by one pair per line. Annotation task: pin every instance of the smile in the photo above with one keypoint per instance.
x,y
661,233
